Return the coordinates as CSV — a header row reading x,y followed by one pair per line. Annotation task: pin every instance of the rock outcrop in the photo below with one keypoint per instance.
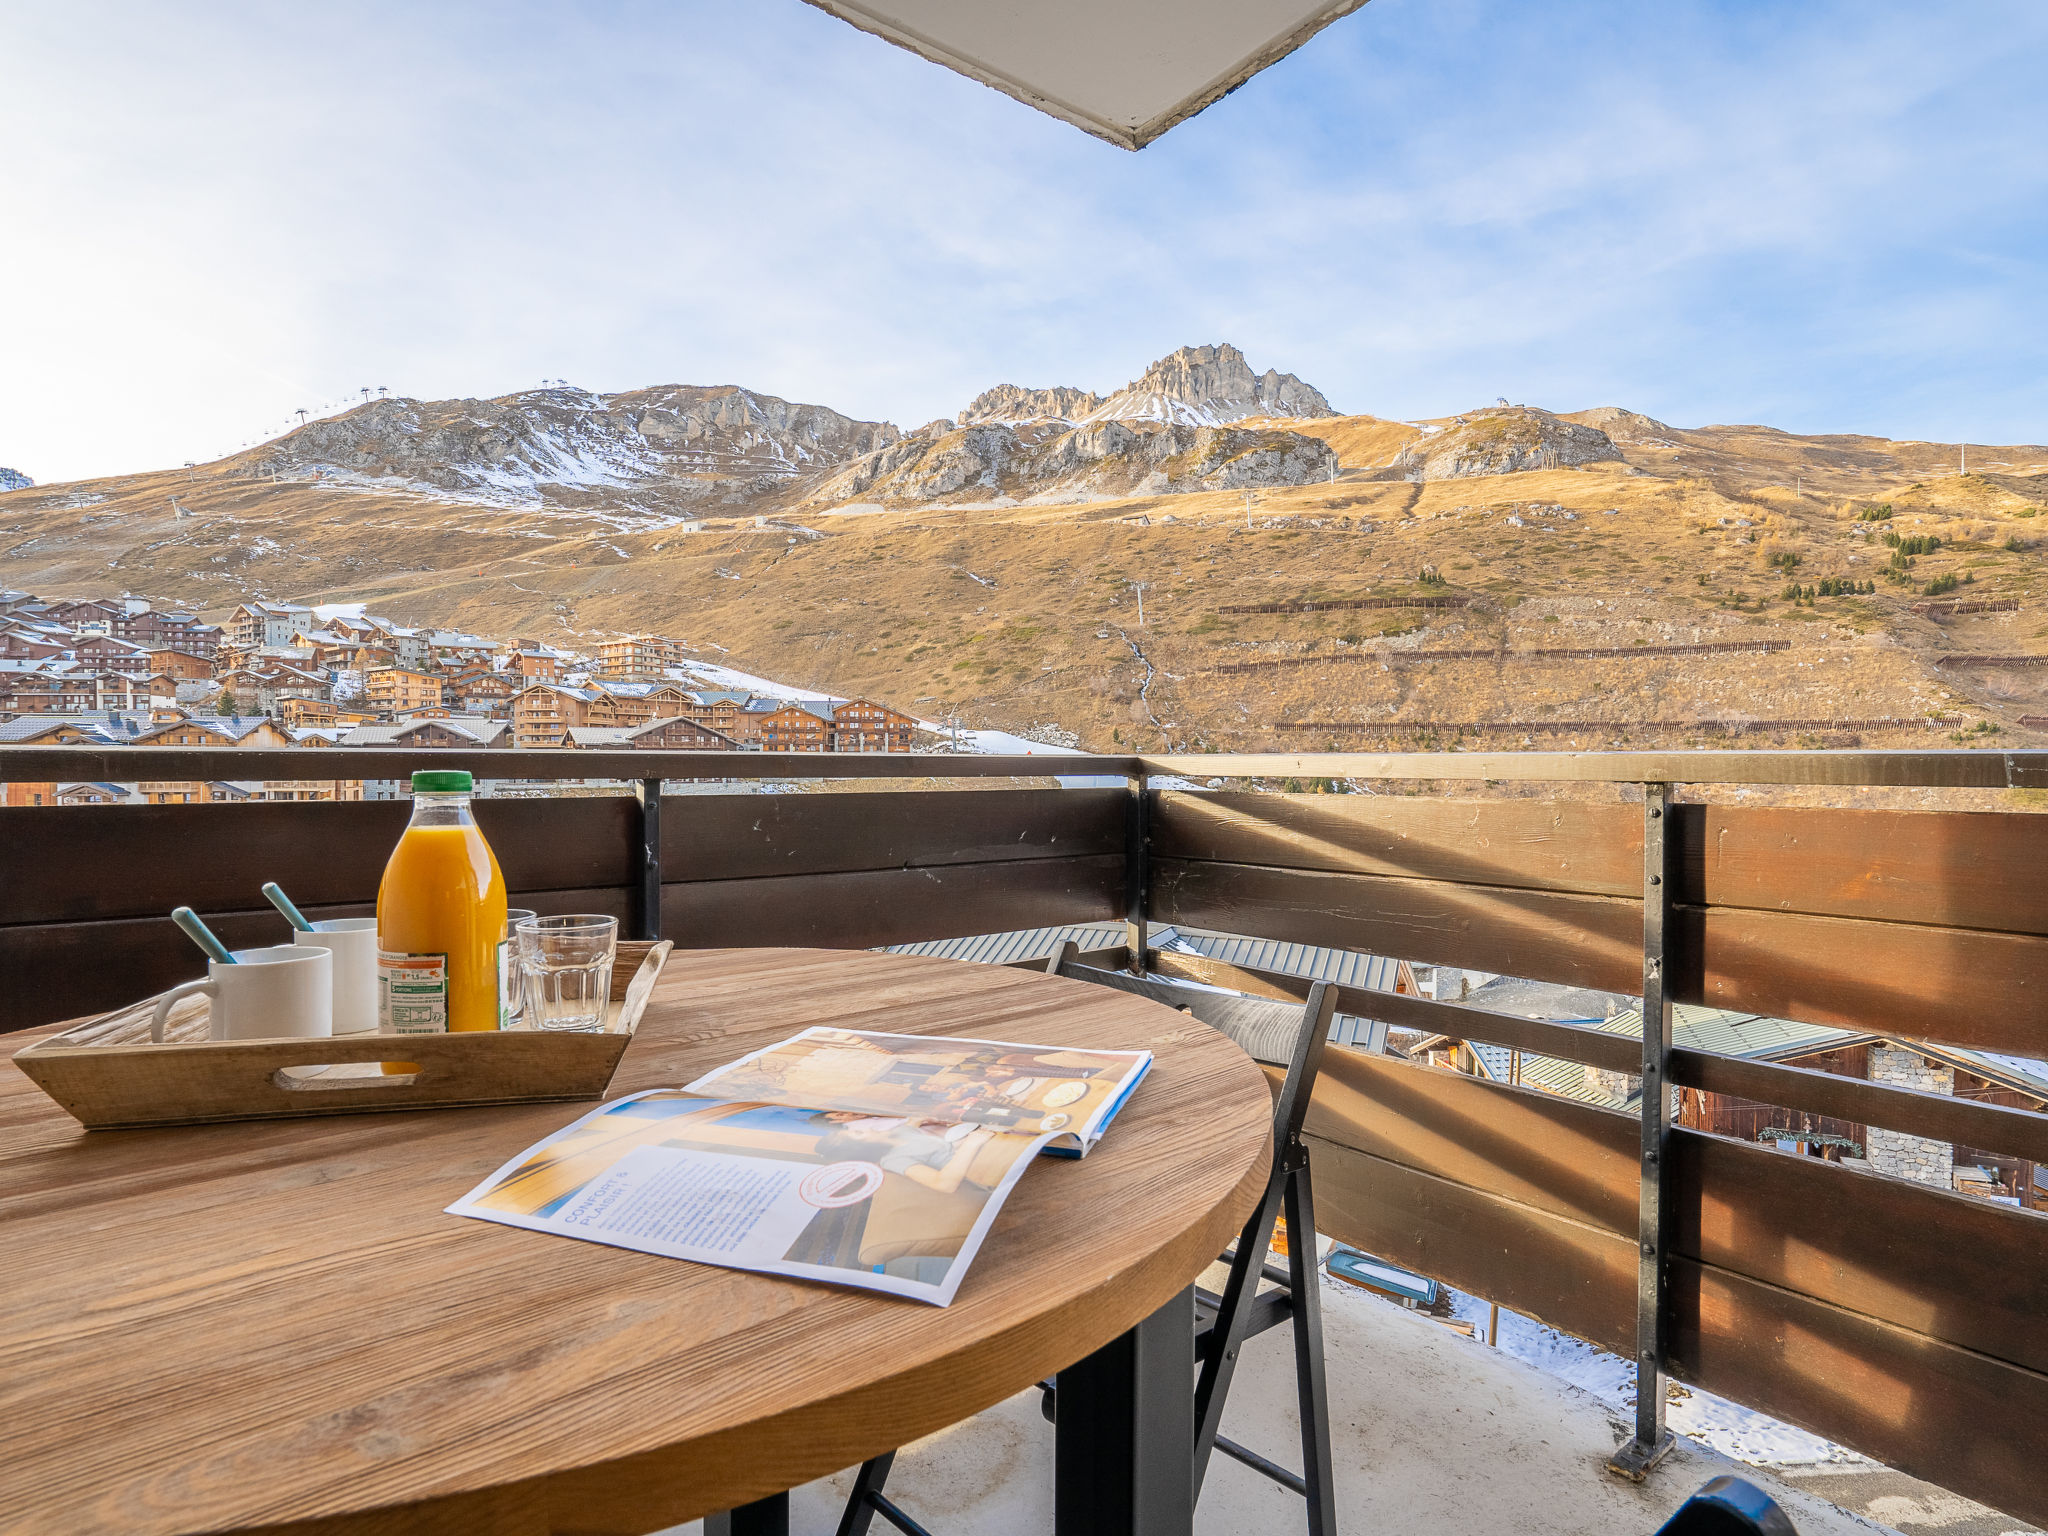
x,y
1210,387
1012,406
1502,442
14,480
991,461
676,442
1623,426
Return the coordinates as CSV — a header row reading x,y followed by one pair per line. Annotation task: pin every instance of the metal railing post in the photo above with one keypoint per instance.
x,y
1137,871
647,908
1646,1447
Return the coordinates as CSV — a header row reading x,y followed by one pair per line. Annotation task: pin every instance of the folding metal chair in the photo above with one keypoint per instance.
x,y
1282,1035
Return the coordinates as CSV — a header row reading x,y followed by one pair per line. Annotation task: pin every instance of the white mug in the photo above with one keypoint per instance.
x,y
353,943
281,990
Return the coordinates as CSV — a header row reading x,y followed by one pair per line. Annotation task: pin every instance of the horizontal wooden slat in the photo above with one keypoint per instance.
x,y
730,837
1532,844
80,863
1966,1122
1960,986
1573,1275
1583,941
125,764
1114,958
65,970
1568,1042
1962,869
1962,1420
1944,769
866,908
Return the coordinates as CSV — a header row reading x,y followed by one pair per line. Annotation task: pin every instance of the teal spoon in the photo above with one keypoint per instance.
x,y
283,903
200,934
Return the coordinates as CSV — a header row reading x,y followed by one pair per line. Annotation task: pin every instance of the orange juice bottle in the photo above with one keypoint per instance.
x,y
441,955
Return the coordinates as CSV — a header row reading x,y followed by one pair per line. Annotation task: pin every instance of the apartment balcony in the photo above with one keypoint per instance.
x,y
1902,1321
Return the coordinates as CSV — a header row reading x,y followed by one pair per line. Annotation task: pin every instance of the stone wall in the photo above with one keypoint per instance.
x,y
1894,1152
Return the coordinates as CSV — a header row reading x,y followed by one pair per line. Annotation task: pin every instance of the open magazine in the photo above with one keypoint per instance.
x,y
866,1159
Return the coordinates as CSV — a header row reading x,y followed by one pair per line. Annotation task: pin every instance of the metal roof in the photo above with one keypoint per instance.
x,y
1345,967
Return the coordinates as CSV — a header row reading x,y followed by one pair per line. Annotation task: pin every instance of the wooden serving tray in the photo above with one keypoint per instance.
x,y
109,1076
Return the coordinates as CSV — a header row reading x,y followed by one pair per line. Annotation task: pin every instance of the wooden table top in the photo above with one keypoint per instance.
x,y
273,1326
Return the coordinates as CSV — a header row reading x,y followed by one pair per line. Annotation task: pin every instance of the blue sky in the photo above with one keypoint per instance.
x,y
1824,217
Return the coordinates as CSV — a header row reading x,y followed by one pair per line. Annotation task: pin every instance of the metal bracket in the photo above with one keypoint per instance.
x,y
1650,1440
647,909
1137,872
1634,1460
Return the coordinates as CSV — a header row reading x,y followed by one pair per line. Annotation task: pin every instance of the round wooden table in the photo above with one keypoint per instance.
x,y
273,1325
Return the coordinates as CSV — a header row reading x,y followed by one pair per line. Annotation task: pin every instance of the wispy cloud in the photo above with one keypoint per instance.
x,y
1829,217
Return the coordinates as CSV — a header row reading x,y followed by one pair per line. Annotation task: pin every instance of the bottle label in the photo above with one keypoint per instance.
x,y
412,993
504,985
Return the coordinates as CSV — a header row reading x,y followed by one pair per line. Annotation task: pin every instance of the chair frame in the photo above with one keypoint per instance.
x,y
1241,1311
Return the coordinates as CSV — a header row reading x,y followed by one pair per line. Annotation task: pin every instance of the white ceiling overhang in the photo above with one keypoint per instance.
x,y
1123,70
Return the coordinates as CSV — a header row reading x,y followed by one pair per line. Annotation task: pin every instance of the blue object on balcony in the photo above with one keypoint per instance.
x,y
1377,1275
1729,1506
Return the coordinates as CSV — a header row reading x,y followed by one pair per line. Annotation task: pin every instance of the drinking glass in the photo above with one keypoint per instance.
x,y
565,967
515,989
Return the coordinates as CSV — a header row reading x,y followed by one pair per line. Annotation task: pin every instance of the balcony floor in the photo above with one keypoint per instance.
x,y
1432,1433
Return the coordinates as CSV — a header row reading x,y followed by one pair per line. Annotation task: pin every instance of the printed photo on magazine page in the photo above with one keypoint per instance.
x,y
895,1203
1033,1090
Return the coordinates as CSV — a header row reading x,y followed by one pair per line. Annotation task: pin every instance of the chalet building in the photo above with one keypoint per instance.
x,y
46,693
543,714
179,663
799,727
258,690
721,710
103,653
92,794
29,794
216,731
301,712
537,663
460,731
862,725
189,792
259,623
483,693
398,688
369,656
307,789
674,734
30,645
638,658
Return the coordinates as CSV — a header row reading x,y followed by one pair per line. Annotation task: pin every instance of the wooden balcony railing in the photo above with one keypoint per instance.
x,y
1906,1321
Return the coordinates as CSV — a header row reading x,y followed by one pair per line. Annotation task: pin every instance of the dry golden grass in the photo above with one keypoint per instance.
x,y
1028,615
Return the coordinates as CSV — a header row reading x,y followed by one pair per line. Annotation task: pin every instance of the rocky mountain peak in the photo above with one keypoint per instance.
x,y
1208,387
1012,405
13,480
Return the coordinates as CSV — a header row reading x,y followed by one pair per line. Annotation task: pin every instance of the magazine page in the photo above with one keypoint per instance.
x,y
1033,1090
884,1202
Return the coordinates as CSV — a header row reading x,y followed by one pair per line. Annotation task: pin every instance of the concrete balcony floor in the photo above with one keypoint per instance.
x,y
1432,1433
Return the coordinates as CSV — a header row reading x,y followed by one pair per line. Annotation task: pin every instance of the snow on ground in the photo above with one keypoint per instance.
x,y
1733,1430
325,611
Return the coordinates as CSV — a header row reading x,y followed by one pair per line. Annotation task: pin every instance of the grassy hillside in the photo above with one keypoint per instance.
x,y
1028,615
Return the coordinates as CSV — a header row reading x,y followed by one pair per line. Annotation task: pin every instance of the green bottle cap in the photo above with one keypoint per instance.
x,y
441,781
